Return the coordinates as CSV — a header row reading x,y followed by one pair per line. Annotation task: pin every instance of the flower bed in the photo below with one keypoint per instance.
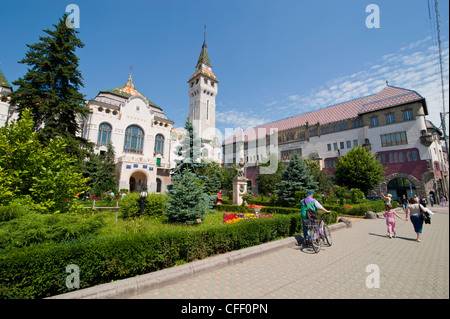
x,y
235,218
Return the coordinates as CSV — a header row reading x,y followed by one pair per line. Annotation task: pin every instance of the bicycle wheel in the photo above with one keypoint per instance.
x,y
315,239
327,234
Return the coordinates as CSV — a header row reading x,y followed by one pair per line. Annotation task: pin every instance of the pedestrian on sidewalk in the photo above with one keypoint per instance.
x,y
414,213
404,202
423,201
390,214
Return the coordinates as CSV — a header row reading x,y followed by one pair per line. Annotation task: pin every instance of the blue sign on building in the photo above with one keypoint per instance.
x,y
135,165
150,169
144,166
128,166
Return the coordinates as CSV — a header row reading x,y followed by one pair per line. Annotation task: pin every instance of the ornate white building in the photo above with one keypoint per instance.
x,y
142,136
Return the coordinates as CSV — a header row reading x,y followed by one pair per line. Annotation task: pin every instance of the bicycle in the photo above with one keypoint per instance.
x,y
318,232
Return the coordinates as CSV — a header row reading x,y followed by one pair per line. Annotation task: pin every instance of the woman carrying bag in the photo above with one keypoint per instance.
x,y
414,211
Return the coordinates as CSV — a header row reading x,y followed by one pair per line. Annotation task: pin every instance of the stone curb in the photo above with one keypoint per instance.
x,y
130,287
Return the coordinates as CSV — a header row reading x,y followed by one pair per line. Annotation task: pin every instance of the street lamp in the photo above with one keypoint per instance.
x,y
143,197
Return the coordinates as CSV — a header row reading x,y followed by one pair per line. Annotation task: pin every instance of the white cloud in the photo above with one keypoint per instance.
x,y
237,119
415,67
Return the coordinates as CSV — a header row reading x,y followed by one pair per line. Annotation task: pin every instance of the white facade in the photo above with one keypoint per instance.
x,y
7,112
143,138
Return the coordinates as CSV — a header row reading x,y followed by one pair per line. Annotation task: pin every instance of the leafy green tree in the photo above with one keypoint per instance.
x,y
186,201
296,177
46,174
50,87
320,176
267,183
359,168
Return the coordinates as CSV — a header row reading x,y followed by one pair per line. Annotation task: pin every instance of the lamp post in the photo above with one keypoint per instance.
x,y
143,197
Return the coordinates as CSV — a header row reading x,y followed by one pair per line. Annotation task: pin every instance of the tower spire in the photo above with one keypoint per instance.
x,y
130,80
204,34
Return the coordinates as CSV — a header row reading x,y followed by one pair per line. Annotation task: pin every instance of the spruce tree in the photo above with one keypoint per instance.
x,y
296,177
190,152
186,202
50,87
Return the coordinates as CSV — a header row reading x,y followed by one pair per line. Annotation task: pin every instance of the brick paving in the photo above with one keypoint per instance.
x,y
407,269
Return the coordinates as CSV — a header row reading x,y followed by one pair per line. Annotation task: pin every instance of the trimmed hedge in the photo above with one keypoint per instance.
x,y
39,271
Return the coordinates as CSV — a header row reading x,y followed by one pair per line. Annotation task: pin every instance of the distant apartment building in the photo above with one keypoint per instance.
x,y
391,124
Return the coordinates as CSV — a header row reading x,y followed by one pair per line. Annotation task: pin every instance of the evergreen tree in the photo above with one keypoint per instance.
x,y
296,177
359,168
190,151
186,201
101,170
50,87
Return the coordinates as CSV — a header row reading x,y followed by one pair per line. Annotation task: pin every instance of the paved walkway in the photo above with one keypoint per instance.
x,y
406,268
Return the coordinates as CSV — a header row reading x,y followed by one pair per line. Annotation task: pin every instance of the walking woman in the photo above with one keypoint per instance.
x,y
413,211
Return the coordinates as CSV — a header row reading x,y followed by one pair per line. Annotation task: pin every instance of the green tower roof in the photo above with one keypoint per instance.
x,y
204,57
3,81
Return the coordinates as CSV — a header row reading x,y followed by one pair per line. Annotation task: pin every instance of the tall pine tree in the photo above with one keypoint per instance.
x,y
50,87
190,152
296,177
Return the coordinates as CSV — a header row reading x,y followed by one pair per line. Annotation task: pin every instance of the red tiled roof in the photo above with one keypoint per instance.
x,y
389,96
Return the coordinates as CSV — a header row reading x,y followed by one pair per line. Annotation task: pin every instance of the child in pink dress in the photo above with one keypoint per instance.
x,y
390,220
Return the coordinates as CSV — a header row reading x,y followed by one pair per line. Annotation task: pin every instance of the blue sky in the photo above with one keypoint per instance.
x,y
274,59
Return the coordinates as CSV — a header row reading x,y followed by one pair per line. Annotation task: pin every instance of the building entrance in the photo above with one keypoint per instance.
x,y
401,186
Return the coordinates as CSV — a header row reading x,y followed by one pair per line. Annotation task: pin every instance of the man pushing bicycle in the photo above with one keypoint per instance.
x,y
309,207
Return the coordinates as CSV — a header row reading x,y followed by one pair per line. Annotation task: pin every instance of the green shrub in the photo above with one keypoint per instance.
x,y
356,196
34,228
39,271
154,206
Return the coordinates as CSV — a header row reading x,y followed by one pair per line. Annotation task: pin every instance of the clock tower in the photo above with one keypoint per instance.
x,y
203,89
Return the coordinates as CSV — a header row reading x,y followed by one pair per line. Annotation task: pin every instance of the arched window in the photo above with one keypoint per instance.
x,y
159,144
134,140
104,134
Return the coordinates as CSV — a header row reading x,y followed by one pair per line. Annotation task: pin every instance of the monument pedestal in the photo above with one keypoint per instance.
x,y
239,189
